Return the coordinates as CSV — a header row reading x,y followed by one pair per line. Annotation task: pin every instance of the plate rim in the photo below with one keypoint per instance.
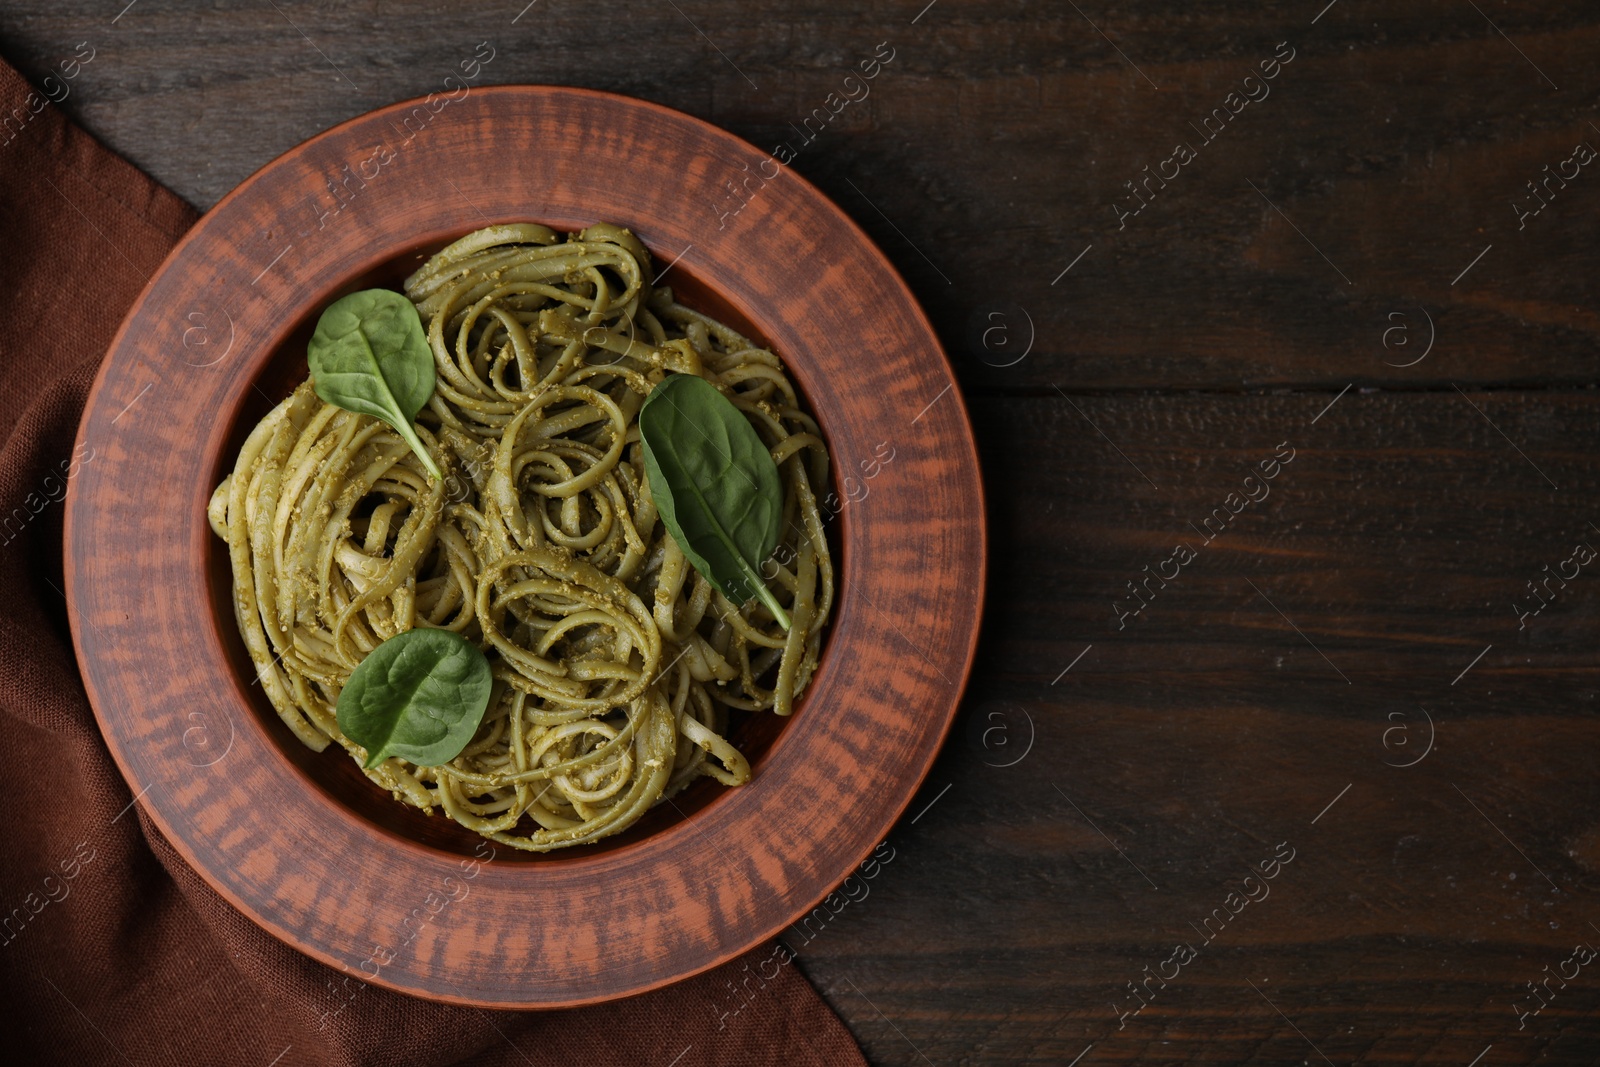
x,y
978,521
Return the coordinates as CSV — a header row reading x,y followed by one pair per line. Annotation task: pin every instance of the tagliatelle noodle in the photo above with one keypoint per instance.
x,y
616,664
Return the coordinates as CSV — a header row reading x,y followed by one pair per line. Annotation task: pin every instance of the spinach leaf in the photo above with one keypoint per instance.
x,y
715,485
420,696
369,355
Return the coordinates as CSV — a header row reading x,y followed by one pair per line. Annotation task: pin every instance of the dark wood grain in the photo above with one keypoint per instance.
x,y
986,158
1212,728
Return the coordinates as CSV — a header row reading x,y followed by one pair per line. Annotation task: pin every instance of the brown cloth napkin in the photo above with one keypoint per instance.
x,y
111,949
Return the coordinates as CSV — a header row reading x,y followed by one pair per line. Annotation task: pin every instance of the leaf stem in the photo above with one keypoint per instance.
x,y
772,605
409,432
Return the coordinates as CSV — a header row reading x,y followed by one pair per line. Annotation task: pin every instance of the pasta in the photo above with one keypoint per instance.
x,y
616,665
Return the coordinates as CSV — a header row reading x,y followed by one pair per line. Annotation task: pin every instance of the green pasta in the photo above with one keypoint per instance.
x,y
616,665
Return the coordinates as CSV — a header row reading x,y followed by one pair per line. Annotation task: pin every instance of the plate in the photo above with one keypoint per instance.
x,y
299,841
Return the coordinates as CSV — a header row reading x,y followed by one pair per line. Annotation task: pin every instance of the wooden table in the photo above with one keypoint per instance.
x,y
1169,247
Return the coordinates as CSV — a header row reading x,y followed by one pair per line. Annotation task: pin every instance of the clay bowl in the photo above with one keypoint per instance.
x,y
300,841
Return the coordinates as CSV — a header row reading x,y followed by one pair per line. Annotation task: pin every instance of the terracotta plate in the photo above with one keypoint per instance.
x,y
300,842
